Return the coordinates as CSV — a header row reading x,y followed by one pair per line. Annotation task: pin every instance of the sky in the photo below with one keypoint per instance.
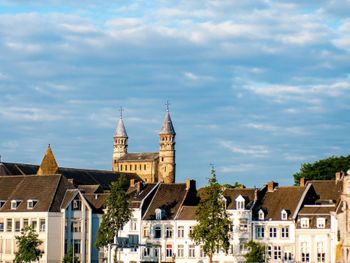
x,y
255,87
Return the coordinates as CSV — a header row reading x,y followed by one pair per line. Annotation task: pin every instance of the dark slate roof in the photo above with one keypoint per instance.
x,y
286,197
49,191
328,191
68,197
139,157
168,197
96,201
187,213
167,126
136,197
79,176
316,210
232,194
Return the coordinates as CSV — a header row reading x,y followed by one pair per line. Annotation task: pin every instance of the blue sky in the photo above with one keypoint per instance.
x,y
256,87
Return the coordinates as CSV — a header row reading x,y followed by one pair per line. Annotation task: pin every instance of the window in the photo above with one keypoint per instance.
x,y
25,222
305,253
2,202
304,223
180,232
191,251
243,225
9,225
31,203
201,252
273,232
17,225
43,225
321,223
180,251
1,225
190,231
321,255
159,213
284,215
34,224
285,232
76,225
169,250
261,214
240,201
145,231
146,251
76,246
157,232
15,204
168,231
133,224
259,232
269,251
287,256
76,204
277,252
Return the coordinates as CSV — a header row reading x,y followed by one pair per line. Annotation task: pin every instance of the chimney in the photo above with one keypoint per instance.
x,y
337,176
132,182
190,184
138,187
271,186
302,182
255,194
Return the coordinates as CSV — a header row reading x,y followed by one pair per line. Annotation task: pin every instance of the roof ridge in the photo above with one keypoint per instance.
x,y
150,203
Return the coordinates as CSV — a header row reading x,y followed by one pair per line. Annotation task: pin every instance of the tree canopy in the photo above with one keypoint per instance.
x,y
118,213
323,169
28,246
256,252
213,228
69,258
235,185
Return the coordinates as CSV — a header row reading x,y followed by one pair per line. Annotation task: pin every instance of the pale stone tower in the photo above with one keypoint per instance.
x,y
166,168
120,142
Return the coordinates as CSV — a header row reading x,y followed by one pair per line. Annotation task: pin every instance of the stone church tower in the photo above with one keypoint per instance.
x,y
166,169
120,147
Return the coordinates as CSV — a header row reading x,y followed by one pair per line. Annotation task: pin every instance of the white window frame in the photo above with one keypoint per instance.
x,y
261,214
15,204
285,232
240,203
304,222
284,215
321,222
31,203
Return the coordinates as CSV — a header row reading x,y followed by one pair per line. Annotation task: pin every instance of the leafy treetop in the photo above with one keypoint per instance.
x,y
28,246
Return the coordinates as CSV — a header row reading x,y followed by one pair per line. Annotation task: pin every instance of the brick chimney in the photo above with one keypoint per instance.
x,y
271,186
255,194
302,181
132,182
138,187
190,184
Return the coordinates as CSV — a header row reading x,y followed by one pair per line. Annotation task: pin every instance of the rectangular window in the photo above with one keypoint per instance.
x,y
17,225
259,232
157,232
76,204
287,256
191,251
169,232
34,224
277,252
269,251
169,250
321,222
180,251
76,244
321,255
145,231
180,232
75,225
243,225
9,225
146,252
190,230
273,232
25,222
304,223
133,224
285,232
201,252
1,225
43,225
305,252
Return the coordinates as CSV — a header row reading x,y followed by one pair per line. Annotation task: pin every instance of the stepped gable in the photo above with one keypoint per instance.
x,y
285,197
139,157
24,188
232,193
169,198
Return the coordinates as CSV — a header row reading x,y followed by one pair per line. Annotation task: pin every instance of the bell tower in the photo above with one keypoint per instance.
x,y
120,146
166,168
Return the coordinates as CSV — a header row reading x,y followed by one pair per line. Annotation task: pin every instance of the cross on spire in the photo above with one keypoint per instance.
x,y
121,112
167,104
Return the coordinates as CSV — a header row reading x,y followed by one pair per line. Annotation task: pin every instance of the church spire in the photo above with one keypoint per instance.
x,y
167,126
120,146
120,130
48,165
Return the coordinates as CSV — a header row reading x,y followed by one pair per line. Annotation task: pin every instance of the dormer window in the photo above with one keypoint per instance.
x,y
15,204
321,222
2,202
240,203
284,215
160,214
31,203
304,222
261,214
76,204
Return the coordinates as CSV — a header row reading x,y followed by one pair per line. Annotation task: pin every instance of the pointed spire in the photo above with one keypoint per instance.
x,y
167,126
120,131
48,165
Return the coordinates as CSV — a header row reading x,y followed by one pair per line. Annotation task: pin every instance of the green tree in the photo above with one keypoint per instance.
x,y
324,169
117,214
256,252
235,185
213,228
68,258
28,246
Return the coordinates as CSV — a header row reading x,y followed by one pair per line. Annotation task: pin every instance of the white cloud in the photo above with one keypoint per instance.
x,y
252,150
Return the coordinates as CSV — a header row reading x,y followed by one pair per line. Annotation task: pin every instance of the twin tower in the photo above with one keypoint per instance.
x,y
152,167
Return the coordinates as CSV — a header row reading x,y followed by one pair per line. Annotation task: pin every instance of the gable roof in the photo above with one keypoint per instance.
x,y
328,191
231,194
187,213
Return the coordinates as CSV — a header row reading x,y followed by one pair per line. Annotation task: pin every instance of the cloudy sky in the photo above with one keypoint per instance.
x,y
255,87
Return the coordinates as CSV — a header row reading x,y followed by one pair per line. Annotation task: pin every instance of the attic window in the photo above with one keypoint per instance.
x,y
321,222
160,214
15,204
240,203
284,215
304,222
2,202
31,203
261,214
76,204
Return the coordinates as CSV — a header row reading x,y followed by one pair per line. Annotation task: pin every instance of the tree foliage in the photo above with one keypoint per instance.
x,y
118,212
28,246
324,169
68,258
213,228
235,185
256,252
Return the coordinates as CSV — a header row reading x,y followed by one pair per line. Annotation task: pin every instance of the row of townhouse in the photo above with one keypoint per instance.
x,y
295,223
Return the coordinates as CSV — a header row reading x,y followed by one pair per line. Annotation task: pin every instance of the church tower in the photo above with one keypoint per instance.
x,y
120,147
166,169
